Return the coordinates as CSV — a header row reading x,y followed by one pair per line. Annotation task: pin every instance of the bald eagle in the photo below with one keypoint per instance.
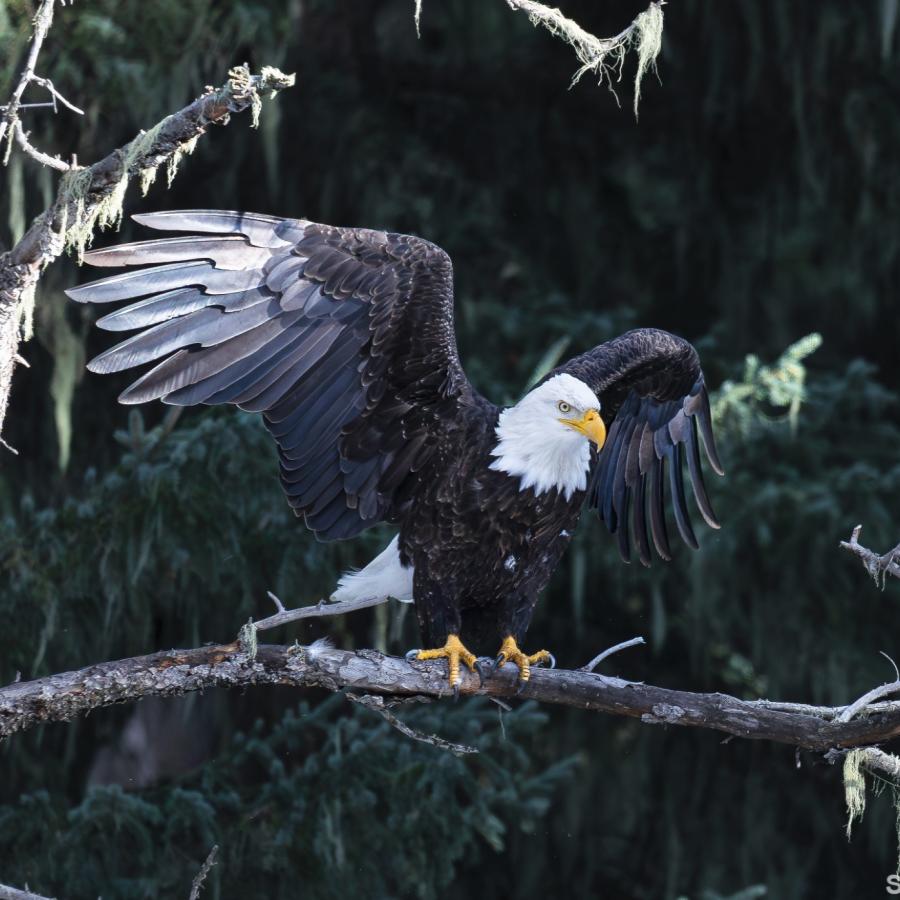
x,y
343,339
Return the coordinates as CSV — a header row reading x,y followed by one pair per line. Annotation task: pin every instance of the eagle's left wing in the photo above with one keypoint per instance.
x,y
656,406
341,337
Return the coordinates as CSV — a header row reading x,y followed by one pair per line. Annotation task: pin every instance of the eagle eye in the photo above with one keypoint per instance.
x,y
563,407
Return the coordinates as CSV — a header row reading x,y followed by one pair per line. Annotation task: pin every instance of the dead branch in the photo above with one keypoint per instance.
x,y
90,197
609,651
43,19
377,703
323,608
200,877
870,697
10,893
59,698
879,567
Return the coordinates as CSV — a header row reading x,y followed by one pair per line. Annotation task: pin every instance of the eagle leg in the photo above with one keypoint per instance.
x,y
454,651
510,652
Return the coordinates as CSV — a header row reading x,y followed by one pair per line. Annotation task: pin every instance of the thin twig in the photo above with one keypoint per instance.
x,y
200,877
371,701
47,84
884,690
878,566
314,610
52,162
42,21
634,642
49,104
825,712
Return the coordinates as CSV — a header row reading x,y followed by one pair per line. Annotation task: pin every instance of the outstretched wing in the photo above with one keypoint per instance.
x,y
341,337
652,391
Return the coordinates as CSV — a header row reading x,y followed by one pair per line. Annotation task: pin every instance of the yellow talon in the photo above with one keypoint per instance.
x,y
510,652
453,651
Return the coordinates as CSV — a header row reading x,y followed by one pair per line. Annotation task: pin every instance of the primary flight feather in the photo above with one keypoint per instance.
x,y
343,339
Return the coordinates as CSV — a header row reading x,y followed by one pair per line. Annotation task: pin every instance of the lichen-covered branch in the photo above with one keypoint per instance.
x,y
604,56
58,698
91,197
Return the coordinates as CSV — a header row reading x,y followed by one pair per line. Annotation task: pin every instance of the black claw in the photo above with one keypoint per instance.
x,y
552,660
479,668
501,658
521,687
456,693
411,655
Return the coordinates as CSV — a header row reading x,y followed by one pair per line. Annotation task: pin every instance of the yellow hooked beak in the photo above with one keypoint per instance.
x,y
590,425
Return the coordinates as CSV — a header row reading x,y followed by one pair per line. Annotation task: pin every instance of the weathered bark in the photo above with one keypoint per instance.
x,y
58,698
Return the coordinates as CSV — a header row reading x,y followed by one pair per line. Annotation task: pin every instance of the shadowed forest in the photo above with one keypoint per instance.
x,y
752,208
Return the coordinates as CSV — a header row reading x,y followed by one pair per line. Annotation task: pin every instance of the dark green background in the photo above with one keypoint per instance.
x,y
755,202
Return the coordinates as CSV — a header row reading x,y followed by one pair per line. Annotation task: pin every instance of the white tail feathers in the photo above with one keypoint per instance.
x,y
384,577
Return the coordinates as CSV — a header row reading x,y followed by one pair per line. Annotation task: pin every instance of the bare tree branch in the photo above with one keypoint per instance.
x,y
315,610
21,138
47,84
864,702
377,703
43,19
200,877
58,698
10,893
879,567
634,642
49,104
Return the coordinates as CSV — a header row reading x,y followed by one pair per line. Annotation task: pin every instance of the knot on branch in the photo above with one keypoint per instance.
x,y
663,714
13,278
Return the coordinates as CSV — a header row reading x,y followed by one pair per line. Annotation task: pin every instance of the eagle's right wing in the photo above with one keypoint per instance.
x,y
656,406
341,337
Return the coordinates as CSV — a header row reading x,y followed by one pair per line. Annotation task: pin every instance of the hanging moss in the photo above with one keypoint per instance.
x,y
605,57
647,41
854,787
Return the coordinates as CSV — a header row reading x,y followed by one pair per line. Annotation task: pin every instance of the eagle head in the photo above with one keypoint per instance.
x,y
545,438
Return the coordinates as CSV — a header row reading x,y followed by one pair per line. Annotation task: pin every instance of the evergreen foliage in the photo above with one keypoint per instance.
x,y
328,804
755,203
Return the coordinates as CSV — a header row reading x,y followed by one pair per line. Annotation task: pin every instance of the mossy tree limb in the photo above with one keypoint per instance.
x,y
91,197
58,698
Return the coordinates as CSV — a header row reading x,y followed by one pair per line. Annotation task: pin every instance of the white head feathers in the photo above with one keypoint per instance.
x,y
536,446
